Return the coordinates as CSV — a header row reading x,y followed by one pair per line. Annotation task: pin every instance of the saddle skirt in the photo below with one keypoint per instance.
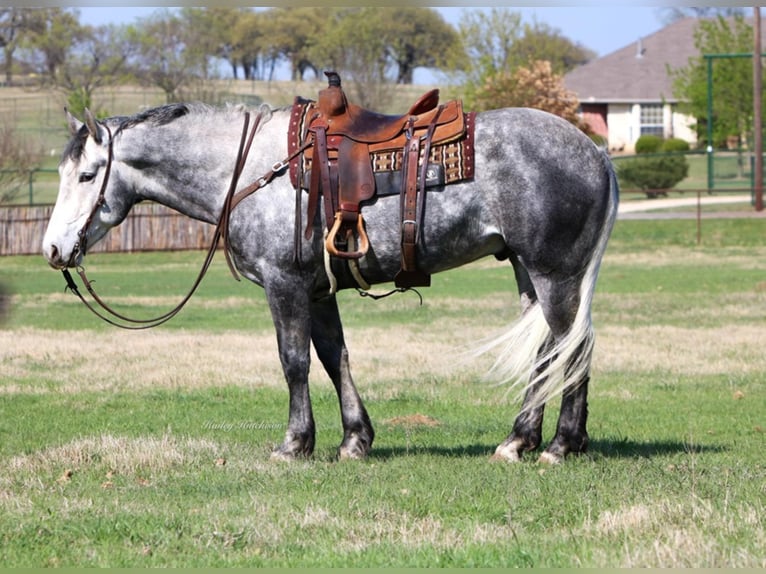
x,y
356,154
449,161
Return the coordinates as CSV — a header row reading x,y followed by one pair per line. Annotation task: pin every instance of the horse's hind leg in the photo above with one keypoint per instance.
x,y
561,307
571,434
527,428
559,301
327,335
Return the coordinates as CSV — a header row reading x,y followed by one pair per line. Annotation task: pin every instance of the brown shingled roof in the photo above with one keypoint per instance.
x,y
638,72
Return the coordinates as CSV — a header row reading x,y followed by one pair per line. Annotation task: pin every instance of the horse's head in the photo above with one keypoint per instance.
x,y
86,207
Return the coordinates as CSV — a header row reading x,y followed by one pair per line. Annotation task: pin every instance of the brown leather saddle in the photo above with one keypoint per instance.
x,y
345,139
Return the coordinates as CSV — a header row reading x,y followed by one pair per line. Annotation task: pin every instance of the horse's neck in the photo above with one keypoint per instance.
x,y
185,165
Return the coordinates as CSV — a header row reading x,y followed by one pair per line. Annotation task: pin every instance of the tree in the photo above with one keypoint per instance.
x,y
415,37
76,59
165,55
672,13
542,42
356,47
496,43
17,157
237,35
292,32
732,79
15,25
487,40
535,86
53,37
209,34
248,37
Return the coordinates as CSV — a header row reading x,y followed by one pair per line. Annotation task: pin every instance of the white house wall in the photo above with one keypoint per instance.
x,y
624,123
683,128
619,119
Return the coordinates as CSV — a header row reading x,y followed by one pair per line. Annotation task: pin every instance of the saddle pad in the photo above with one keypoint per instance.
x,y
455,157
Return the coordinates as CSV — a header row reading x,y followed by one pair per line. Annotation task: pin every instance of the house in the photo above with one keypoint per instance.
x,y
629,93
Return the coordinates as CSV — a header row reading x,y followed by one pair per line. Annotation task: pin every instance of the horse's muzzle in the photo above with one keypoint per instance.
x,y
57,260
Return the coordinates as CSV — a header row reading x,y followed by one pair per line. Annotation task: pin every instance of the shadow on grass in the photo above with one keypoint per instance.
x,y
625,448
599,448
458,451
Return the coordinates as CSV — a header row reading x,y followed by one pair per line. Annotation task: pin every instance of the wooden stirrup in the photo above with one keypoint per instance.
x,y
364,242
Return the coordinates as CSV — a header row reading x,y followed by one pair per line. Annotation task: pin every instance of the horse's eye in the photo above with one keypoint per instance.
x,y
86,177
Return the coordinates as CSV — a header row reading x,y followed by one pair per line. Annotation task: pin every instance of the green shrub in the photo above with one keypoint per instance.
x,y
648,144
652,174
674,144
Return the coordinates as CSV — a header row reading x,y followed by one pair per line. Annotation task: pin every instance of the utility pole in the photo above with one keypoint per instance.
x,y
757,105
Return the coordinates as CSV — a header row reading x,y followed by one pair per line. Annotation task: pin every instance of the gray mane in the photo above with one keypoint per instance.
x,y
155,117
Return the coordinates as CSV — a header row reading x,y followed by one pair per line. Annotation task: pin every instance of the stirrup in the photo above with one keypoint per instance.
x,y
364,243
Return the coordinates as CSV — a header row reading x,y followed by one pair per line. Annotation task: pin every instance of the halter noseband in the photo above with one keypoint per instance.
x,y
82,236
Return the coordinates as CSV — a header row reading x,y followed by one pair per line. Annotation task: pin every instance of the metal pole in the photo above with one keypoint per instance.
x,y
757,105
699,217
709,61
31,187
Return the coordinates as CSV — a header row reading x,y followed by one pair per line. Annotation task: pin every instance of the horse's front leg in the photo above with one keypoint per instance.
x,y
327,336
289,305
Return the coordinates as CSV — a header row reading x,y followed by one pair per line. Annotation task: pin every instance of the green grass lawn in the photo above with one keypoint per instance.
x,y
152,449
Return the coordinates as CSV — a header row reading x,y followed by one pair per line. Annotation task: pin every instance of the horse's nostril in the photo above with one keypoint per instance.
x,y
53,254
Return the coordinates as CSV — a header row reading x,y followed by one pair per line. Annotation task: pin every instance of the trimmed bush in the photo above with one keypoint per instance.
x,y
674,144
654,175
648,144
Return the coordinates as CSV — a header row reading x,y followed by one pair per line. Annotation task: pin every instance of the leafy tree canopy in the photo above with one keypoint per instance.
x,y
732,78
536,86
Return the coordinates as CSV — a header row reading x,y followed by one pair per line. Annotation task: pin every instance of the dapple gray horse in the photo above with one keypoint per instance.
x,y
543,196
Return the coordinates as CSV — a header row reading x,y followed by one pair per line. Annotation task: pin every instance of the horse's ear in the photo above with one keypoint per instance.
x,y
93,127
74,123
265,112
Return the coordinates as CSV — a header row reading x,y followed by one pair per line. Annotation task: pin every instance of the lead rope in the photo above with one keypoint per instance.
x,y
230,202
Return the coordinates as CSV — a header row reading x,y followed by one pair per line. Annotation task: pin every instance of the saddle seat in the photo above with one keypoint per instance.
x,y
366,126
381,131
345,137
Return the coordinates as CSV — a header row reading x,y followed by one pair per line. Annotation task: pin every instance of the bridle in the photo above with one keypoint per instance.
x,y
233,198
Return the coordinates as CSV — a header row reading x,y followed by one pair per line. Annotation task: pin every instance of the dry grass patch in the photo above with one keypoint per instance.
x,y
53,300
677,256
113,457
679,534
385,361
412,421
116,454
732,350
39,361
42,361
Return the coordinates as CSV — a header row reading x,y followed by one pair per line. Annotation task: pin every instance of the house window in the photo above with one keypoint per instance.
x,y
652,120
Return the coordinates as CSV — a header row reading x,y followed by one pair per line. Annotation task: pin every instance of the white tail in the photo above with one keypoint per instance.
x,y
563,362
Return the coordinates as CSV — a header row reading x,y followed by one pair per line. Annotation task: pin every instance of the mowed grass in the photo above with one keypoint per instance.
x,y
152,448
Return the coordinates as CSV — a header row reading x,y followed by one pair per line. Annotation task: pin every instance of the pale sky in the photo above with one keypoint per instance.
x,y
603,29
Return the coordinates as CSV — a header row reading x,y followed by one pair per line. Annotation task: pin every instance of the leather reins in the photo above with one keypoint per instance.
x,y
232,199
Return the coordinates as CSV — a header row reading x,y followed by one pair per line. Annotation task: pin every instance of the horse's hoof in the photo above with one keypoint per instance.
x,y
550,458
282,456
354,448
345,453
289,455
507,452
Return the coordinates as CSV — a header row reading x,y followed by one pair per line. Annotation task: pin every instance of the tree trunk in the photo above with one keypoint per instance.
x,y
8,51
